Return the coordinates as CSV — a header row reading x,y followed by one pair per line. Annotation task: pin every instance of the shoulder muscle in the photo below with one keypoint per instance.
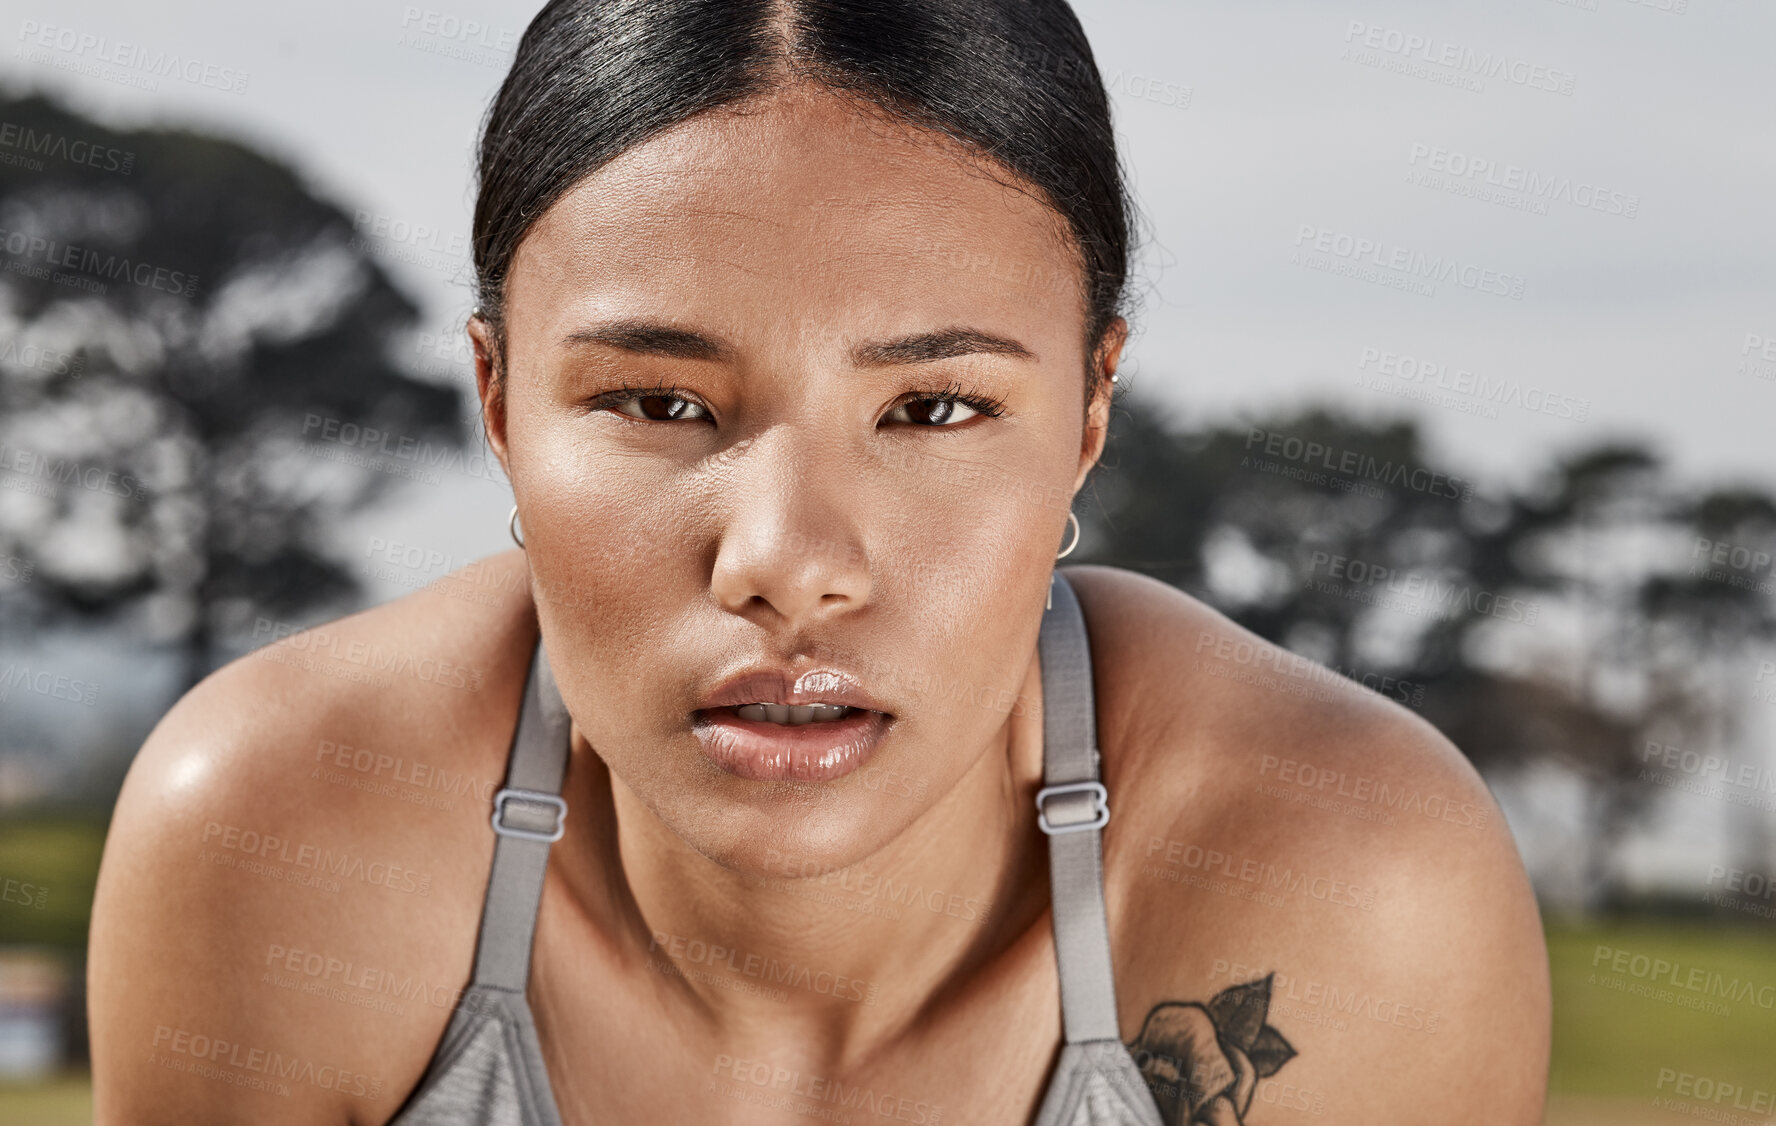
x,y
1316,900
285,907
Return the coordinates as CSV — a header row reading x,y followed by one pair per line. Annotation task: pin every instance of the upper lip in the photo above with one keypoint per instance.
x,y
781,686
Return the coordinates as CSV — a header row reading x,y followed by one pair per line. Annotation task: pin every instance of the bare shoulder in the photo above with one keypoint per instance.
x,y
287,901
1308,873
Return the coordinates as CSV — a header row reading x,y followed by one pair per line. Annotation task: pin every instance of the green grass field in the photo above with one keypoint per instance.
x,y
1608,1041
60,855
65,1102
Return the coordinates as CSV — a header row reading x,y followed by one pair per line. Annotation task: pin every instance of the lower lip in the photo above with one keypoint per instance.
x,y
774,752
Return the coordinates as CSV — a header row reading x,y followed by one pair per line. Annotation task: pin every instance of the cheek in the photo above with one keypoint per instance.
x,y
965,568
974,533
607,533
615,548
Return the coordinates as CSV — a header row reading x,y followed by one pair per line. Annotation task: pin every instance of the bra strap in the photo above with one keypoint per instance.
x,y
527,816
1072,808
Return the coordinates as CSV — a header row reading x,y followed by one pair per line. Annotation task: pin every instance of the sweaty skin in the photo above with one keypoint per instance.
x,y
725,454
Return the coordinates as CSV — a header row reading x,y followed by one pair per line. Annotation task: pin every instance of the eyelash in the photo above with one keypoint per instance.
x,y
989,406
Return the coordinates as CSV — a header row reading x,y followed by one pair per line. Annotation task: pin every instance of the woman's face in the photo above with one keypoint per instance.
x,y
794,409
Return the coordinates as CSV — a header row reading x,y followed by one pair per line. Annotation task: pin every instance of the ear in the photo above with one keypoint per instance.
x,y
1105,359
490,385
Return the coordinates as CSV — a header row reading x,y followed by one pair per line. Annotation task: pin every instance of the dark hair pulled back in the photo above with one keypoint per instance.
x,y
1011,79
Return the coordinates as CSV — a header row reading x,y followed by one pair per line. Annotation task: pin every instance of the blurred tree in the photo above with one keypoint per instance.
x,y
1566,619
196,382
1709,620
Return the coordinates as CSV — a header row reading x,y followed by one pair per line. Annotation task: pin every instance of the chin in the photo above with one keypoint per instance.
x,y
798,837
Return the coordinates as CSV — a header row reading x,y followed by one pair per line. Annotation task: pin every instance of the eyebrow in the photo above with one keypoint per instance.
x,y
654,338
944,344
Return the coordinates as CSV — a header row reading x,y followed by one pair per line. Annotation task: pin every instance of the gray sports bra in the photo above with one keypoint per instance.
x,y
488,1068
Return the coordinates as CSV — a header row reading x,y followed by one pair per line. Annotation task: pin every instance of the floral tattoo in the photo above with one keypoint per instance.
x,y
1203,1062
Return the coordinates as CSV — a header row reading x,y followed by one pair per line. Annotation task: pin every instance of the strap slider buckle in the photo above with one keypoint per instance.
x,y
530,798
1097,817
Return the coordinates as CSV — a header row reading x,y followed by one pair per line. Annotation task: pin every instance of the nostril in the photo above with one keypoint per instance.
x,y
798,576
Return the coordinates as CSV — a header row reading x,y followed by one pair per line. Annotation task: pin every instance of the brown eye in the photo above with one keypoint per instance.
x,y
936,411
659,408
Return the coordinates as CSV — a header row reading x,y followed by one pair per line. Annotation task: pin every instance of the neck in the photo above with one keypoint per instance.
x,y
853,955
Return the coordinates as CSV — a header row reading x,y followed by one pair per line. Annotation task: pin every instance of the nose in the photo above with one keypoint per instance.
x,y
790,555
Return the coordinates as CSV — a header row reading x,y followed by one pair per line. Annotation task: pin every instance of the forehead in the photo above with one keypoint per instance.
x,y
798,205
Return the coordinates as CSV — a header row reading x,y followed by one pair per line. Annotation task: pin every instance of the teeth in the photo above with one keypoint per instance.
x,y
792,715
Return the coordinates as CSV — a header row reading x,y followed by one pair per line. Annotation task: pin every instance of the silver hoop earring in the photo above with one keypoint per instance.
x,y
1074,542
512,526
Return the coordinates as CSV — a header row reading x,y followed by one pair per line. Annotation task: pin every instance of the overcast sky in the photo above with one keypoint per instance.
x,y
1289,159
